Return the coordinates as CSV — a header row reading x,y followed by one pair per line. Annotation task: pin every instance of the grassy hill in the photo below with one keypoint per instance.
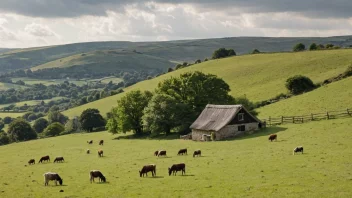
x,y
179,51
250,166
109,61
6,86
331,97
259,77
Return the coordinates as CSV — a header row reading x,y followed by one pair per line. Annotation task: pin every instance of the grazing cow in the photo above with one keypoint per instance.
x,y
273,137
95,173
100,153
197,153
298,149
156,153
88,151
162,153
182,152
90,142
177,167
44,158
148,168
59,159
101,142
52,176
31,161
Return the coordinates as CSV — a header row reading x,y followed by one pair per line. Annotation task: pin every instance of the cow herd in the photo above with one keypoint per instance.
x,y
298,149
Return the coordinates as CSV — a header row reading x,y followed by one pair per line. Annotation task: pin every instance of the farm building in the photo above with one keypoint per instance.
x,y
225,121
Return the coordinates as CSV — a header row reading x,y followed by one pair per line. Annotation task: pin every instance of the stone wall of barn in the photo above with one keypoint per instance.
x,y
229,131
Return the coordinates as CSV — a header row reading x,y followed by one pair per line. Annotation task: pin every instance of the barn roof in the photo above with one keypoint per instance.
x,y
215,117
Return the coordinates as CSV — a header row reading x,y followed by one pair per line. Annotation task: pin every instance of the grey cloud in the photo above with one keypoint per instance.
x,y
75,8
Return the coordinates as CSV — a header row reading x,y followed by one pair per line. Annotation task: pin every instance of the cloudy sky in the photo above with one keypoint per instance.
x,y
29,23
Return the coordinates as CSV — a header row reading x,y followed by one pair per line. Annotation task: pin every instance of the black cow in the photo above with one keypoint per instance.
x,y
162,153
148,168
90,142
44,158
182,152
197,153
177,167
298,149
101,142
96,173
59,159
100,153
31,161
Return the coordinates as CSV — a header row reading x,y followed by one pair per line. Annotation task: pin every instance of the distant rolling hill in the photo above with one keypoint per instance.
x,y
171,51
109,60
258,77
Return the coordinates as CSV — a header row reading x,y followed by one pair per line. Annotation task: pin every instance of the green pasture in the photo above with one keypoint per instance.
x,y
47,82
258,77
6,86
336,96
31,102
11,114
250,166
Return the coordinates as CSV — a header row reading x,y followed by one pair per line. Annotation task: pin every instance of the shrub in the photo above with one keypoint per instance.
x,y
222,53
299,47
2,125
40,124
255,51
299,84
21,130
8,120
4,138
32,117
313,46
54,129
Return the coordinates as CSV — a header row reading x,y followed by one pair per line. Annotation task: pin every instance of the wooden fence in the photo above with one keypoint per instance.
x,y
307,118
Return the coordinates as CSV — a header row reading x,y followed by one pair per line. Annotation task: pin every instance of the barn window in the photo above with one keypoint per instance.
x,y
242,128
240,116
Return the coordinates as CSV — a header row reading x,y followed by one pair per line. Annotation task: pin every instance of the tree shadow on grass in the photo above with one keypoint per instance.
x,y
148,136
263,132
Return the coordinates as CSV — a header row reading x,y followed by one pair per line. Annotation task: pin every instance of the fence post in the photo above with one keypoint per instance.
x,y
282,119
270,120
302,120
348,112
327,114
293,119
312,117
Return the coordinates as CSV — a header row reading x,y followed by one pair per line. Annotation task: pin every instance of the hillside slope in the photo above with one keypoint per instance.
x,y
259,77
109,61
179,51
331,97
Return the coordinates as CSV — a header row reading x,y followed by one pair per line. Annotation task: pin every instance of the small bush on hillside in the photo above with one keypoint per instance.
x,y
21,130
2,125
4,138
299,84
299,47
313,46
40,124
223,53
7,120
54,129
255,51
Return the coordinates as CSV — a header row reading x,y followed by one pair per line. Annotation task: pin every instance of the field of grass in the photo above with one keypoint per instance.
x,y
250,166
258,77
6,86
10,114
331,97
31,102
47,82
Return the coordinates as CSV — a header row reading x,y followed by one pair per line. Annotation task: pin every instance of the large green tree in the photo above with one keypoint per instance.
x,y
129,111
56,116
90,119
299,47
299,84
163,114
21,130
54,129
40,124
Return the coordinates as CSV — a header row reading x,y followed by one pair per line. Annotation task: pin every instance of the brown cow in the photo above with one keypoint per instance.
x,y
148,168
59,159
90,142
182,152
273,137
197,153
52,176
177,167
31,161
88,151
96,173
44,158
101,142
156,153
100,153
162,153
